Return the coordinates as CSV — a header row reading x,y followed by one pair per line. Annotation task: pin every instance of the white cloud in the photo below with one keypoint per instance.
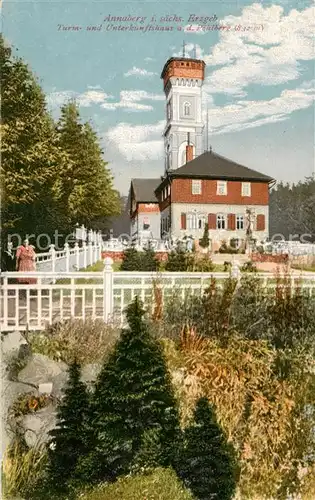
x,y
92,97
149,59
140,143
86,99
249,114
267,54
131,100
137,142
139,72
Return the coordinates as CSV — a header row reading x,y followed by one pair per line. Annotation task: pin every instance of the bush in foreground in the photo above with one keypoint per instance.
x,y
133,405
88,340
68,439
160,484
208,462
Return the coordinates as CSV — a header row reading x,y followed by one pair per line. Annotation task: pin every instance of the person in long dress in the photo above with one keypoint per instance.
x,y
8,259
25,261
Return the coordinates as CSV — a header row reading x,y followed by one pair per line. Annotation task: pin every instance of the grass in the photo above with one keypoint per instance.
x,y
160,484
89,341
20,470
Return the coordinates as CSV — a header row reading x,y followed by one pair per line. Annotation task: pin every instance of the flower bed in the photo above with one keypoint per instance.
x,y
265,257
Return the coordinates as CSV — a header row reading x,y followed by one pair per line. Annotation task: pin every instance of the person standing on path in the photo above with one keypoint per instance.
x,y
25,261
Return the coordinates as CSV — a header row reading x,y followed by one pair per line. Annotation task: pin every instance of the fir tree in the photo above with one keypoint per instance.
x,y
133,396
179,260
89,192
131,260
204,242
208,464
68,440
149,261
31,156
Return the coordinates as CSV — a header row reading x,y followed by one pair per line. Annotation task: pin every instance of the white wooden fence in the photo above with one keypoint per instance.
x,y
69,259
104,295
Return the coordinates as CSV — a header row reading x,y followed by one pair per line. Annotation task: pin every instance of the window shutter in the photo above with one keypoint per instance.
x,y
212,221
183,221
231,222
260,222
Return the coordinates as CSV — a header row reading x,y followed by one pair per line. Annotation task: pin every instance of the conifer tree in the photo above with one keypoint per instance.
x,y
208,464
89,191
149,261
131,260
31,156
133,396
204,242
68,440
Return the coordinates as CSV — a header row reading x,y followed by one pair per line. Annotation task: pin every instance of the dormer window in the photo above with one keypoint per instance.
x,y
187,109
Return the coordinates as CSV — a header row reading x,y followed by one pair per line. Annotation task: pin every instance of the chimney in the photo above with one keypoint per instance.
x,y
189,149
189,153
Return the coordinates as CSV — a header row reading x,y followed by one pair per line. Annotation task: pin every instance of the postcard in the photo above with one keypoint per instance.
x,y
157,250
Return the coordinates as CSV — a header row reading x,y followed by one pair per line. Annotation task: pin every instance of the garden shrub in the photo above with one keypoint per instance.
x,y
208,464
131,260
133,395
249,267
205,240
69,440
88,341
263,416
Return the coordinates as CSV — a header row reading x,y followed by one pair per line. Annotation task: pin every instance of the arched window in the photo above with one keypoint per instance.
x,y
186,108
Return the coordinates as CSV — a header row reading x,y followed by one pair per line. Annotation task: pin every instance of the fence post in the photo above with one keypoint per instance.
x,y
77,255
67,253
52,252
108,293
84,247
90,245
99,249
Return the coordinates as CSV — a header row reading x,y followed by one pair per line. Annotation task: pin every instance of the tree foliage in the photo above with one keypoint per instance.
x,y
133,405
88,190
292,210
68,440
208,464
51,176
31,154
205,240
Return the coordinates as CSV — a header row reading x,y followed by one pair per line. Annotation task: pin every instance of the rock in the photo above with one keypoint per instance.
x,y
40,370
37,425
9,393
11,342
90,372
58,384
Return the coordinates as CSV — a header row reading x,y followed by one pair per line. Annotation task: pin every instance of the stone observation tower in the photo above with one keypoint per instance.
x,y
183,79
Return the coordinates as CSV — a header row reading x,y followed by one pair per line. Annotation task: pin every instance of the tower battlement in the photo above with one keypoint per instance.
x,y
182,67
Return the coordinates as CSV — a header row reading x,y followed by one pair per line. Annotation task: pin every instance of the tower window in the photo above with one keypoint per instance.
x,y
187,108
169,110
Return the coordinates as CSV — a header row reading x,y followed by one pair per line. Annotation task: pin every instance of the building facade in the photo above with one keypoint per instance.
x,y
198,187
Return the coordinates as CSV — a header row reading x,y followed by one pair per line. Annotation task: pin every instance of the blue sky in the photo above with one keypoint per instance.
x,y
259,86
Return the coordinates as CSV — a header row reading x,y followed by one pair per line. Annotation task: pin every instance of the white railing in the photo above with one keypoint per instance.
x,y
69,259
290,247
103,295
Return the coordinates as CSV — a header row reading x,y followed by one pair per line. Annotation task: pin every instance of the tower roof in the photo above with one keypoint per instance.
x,y
181,60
